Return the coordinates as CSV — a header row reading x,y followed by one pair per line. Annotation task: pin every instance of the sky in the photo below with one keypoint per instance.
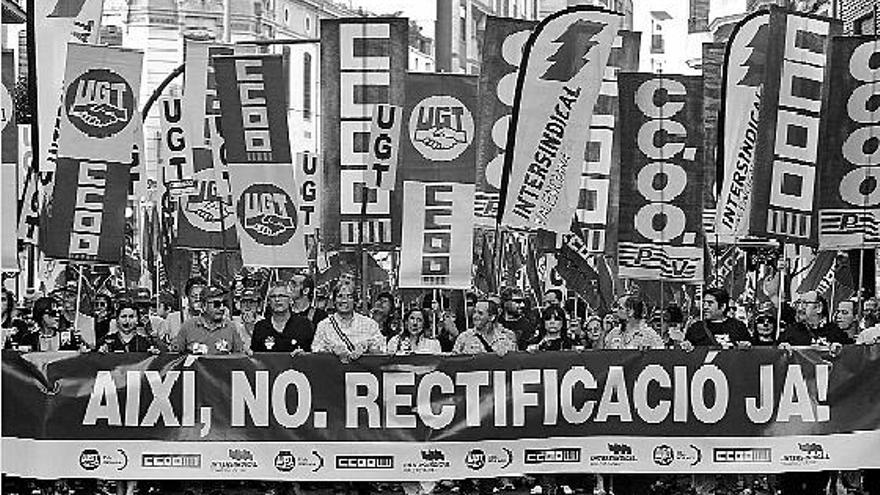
x,y
678,47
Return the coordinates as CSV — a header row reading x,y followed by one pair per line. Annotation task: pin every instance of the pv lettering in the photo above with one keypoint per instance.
x,y
254,112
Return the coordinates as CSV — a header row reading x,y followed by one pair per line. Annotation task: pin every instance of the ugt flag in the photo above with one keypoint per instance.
x,y
260,163
564,61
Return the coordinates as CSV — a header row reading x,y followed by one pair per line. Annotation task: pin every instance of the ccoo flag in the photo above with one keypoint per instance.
x,y
564,61
849,191
784,185
259,159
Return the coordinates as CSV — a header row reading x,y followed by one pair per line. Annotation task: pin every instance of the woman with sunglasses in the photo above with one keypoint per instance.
x,y
47,334
412,338
102,312
553,332
764,332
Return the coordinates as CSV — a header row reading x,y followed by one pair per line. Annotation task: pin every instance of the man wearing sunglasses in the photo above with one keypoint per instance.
x,y
211,332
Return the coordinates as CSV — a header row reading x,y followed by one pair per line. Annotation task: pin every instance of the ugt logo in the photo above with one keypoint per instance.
x,y
441,128
267,214
99,103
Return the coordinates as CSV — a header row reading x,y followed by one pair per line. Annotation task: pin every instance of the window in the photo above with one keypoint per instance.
x,y
864,25
307,86
657,43
308,24
286,15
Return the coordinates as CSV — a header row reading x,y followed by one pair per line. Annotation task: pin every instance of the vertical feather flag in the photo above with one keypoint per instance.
x,y
563,64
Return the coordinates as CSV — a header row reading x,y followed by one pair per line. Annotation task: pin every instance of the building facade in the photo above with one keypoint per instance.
x,y
159,27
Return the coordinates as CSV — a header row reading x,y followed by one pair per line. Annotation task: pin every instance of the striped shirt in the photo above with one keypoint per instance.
x,y
362,332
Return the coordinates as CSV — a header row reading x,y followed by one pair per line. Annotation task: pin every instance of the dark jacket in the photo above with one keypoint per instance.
x,y
801,334
710,333
298,333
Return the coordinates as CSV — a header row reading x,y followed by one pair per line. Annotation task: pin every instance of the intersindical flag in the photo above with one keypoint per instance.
x,y
784,188
849,182
260,164
563,65
660,234
739,123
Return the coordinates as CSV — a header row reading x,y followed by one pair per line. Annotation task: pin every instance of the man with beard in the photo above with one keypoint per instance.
x,y
846,318
513,316
282,331
813,327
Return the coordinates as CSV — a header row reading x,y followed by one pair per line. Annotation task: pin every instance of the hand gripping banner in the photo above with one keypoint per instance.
x,y
410,418
564,61
849,193
660,234
260,164
784,185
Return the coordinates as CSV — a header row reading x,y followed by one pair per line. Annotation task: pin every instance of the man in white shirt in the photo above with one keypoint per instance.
x,y
346,333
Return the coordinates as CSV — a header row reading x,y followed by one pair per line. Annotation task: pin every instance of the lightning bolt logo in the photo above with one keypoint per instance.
x,y
67,8
571,56
757,60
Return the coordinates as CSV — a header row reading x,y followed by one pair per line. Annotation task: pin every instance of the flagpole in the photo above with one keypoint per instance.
x,y
499,257
833,281
779,291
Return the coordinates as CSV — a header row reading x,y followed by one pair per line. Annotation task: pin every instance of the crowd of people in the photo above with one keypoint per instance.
x,y
290,318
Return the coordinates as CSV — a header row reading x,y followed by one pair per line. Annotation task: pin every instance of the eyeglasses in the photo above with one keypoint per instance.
x,y
279,296
764,321
552,318
100,304
217,303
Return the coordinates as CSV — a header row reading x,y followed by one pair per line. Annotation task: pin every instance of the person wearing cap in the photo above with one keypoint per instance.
x,y
765,326
249,307
282,331
211,332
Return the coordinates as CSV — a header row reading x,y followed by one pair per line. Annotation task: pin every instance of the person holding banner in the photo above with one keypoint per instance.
x,y
48,335
412,338
812,326
717,329
552,334
632,331
126,338
282,331
211,332
487,335
346,333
